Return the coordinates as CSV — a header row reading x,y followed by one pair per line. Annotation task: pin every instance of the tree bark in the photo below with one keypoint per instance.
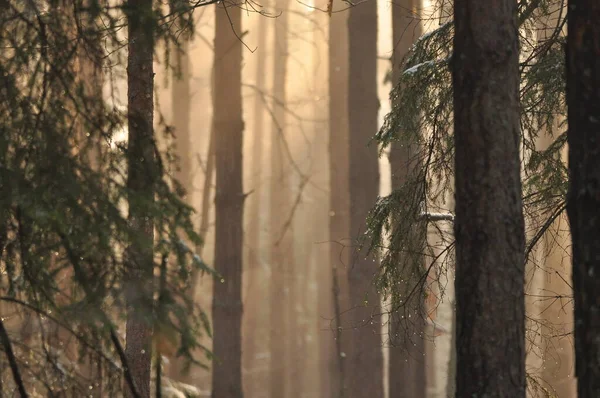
x,y
141,179
331,338
281,245
583,201
365,362
229,205
407,346
489,226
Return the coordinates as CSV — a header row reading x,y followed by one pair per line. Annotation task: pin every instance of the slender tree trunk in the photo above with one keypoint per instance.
x,y
331,338
365,363
280,210
181,108
140,181
583,201
256,296
489,227
229,205
407,346
90,70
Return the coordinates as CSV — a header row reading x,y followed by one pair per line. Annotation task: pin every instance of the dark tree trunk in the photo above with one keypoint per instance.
x,y
407,346
281,245
365,362
141,178
583,202
331,338
229,205
489,227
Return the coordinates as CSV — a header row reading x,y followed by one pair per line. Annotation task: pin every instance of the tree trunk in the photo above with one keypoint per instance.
x,y
229,205
281,244
489,227
407,346
331,338
365,362
254,319
583,202
141,179
181,108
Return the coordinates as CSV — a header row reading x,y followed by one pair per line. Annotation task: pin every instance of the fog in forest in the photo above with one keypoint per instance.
x,y
329,271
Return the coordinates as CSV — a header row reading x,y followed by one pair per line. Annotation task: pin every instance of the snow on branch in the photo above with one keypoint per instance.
x,y
432,217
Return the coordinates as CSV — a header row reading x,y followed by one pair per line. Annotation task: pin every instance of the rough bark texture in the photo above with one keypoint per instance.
x,y
489,227
229,205
406,360
281,255
583,202
331,339
141,180
365,362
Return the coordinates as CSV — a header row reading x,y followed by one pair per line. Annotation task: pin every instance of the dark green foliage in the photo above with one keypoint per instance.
x,y
422,118
63,216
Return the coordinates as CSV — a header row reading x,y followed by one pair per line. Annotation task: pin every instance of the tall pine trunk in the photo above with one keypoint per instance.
x,y
333,340
365,362
229,205
583,201
407,345
281,257
489,227
141,179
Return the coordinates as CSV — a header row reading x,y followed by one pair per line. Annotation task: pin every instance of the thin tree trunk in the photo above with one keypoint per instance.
x,y
489,226
140,181
280,205
181,108
331,339
406,354
365,362
256,296
91,75
229,205
319,303
583,201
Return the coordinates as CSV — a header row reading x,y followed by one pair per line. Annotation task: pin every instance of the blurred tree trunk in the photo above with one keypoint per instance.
x,y
365,362
181,108
229,204
332,341
141,179
281,241
407,345
489,226
90,69
583,201
255,298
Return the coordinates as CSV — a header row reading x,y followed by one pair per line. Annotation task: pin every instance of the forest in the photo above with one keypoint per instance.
x,y
300,198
